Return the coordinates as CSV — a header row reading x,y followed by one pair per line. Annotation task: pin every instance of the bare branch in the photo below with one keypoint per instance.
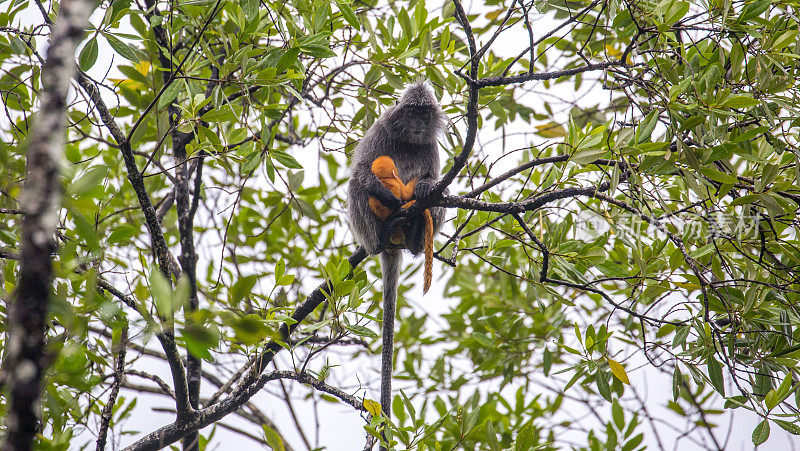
x,y
105,416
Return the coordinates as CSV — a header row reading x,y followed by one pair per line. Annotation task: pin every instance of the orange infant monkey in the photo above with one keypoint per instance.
x,y
383,167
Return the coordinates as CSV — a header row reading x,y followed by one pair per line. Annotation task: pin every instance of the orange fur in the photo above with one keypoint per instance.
x,y
428,252
384,168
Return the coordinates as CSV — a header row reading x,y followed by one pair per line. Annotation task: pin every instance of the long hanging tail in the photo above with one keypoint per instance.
x,y
428,251
390,267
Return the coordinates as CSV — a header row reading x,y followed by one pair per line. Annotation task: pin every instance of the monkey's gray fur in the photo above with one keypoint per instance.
x,y
408,133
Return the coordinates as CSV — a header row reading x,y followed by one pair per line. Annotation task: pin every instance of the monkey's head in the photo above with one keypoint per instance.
x,y
417,117
383,167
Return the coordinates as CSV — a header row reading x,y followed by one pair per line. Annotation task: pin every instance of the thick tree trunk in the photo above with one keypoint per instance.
x,y
41,197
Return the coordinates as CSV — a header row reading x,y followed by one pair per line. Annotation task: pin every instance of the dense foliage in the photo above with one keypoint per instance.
x,y
625,186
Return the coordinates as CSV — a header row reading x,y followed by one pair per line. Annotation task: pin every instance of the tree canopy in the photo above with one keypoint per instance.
x,y
623,182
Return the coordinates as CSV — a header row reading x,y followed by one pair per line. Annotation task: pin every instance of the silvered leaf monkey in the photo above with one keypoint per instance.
x,y
407,133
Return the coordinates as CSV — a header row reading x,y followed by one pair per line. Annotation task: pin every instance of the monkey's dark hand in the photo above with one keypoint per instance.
x,y
423,188
386,197
390,225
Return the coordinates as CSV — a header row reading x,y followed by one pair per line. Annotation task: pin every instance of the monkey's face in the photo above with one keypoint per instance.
x,y
416,124
417,118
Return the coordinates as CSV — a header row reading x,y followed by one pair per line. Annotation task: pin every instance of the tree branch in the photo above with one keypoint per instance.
x,y
252,381
159,244
460,160
40,200
119,374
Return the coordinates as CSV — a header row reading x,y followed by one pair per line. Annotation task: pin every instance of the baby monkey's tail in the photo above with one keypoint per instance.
x,y
428,251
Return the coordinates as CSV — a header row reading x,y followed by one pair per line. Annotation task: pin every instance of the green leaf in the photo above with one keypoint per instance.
x,y
771,203
181,293
471,420
633,443
753,10
786,387
602,385
118,7
776,396
161,292
362,331
715,374
317,45
88,55
405,22
250,329
707,249
587,156
748,199
122,234
288,59
88,181
134,74
592,140
398,409
771,400
120,47
348,14
734,402
322,11
491,437
317,51
676,12
719,176
225,113
421,14
241,288
761,433
482,339
448,10
250,162
274,440
786,38
791,428
573,379
740,102
547,361
526,439
170,93
250,9
285,159
665,330
200,338
692,122
645,129
617,414
86,230
18,45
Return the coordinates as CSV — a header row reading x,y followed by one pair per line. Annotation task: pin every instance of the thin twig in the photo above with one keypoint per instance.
x,y
119,374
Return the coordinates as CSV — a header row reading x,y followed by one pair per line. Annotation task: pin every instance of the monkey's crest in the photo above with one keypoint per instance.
x,y
419,95
417,117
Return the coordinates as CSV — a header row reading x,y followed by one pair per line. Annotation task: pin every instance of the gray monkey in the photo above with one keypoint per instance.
x,y
408,132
